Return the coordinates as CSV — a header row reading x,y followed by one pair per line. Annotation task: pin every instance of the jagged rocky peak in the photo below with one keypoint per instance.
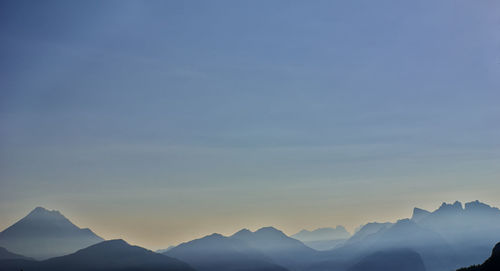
x,y
445,207
479,206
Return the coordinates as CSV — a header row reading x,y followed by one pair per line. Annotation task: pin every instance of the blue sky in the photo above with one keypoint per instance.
x,y
187,117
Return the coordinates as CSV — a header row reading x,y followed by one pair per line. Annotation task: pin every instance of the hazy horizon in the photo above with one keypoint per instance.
x,y
160,122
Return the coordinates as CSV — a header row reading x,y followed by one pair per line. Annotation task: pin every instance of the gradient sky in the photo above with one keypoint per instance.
x,y
162,121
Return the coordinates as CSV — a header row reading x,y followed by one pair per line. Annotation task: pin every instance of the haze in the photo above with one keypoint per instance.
x,y
167,121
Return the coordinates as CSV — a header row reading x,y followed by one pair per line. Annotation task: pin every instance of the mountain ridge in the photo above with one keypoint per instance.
x,y
112,255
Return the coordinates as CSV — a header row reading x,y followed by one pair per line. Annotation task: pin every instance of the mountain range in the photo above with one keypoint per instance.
x,y
113,255
265,247
323,238
450,237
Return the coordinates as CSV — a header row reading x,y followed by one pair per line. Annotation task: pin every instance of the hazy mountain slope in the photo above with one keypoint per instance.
x,y
449,237
390,260
283,250
367,230
322,234
405,234
219,253
491,264
43,234
7,255
471,230
323,245
114,255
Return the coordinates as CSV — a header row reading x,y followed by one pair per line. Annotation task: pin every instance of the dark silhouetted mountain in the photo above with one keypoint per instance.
x,y
217,252
491,264
322,234
114,255
7,255
285,251
43,234
390,260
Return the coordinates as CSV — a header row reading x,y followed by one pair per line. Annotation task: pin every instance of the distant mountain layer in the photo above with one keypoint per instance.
x,y
471,230
219,253
44,234
491,264
323,245
264,249
446,239
283,250
396,260
322,234
7,255
114,255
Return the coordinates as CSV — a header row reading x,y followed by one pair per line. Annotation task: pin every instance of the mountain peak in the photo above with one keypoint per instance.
x,y
322,234
49,229
108,244
242,232
419,214
270,231
445,207
214,236
40,211
477,205
116,242
340,227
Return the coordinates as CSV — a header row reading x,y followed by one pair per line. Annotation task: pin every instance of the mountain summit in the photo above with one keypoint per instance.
x,y
44,233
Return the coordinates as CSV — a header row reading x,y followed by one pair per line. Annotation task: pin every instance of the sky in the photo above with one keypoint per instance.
x,y
163,121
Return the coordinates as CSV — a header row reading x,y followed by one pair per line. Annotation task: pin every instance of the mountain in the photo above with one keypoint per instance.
x,y
434,250
491,264
367,230
375,237
323,238
419,214
322,234
7,255
390,260
264,249
283,250
44,234
323,245
217,252
471,229
163,250
453,235
114,255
